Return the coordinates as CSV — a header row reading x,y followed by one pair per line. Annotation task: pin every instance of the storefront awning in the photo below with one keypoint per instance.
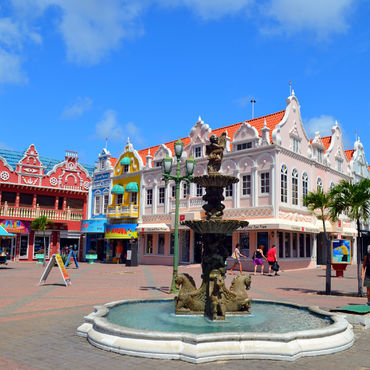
x,y
120,231
3,232
93,226
147,228
118,189
278,223
132,187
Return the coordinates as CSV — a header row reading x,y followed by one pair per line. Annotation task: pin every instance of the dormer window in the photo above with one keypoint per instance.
x,y
197,152
125,163
126,168
320,155
244,146
158,163
295,145
339,165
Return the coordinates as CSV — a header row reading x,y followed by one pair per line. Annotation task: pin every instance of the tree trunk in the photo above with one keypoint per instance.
x,y
328,261
359,265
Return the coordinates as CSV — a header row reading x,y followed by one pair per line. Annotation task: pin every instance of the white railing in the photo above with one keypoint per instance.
x,y
31,213
121,210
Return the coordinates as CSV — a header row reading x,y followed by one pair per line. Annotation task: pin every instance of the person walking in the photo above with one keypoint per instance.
x,y
236,256
271,258
365,273
257,259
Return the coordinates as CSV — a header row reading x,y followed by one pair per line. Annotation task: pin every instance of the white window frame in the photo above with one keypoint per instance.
x,y
320,155
246,185
199,190
295,187
244,146
339,165
265,183
185,189
97,203
149,197
319,184
304,184
161,194
229,191
105,203
284,184
133,198
198,152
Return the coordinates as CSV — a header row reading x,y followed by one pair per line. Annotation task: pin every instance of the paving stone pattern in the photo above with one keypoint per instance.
x,y
38,323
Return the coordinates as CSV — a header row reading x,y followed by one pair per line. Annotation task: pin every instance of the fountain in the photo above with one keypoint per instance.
x,y
213,322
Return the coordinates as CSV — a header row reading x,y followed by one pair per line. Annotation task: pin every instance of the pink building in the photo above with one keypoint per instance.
x,y
276,163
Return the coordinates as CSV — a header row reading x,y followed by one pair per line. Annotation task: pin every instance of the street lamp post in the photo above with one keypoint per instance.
x,y
167,168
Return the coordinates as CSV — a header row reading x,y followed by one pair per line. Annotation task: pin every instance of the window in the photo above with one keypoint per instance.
x,y
185,189
119,199
281,249
197,152
295,245
9,197
47,201
265,182
320,155
149,197
301,245
60,202
243,146
199,190
23,247
41,242
319,184
308,245
149,244
229,191
331,185
295,145
304,184
76,204
158,163
172,243
105,204
263,239
160,243
97,209
287,245
173,191
161,195
126,168
244,243
339,165
133,198
284,184
295,187
246,185
25,200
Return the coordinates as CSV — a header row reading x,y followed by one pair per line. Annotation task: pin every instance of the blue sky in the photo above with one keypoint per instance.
x,y
75,72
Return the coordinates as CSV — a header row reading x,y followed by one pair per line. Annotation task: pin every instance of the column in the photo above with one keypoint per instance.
x,y
254,187
167,203
236,192
155,196
314,248
273,190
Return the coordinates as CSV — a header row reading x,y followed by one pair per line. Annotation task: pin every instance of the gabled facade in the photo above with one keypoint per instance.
x,y
32,186
276,163
99,199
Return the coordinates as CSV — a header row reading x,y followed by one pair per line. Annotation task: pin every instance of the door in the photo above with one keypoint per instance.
x,y
23,248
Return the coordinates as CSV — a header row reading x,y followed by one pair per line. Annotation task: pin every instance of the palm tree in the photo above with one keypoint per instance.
x,y
353,199
321,201
41,224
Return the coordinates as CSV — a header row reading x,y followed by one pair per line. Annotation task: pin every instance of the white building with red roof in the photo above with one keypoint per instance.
x,y
276,164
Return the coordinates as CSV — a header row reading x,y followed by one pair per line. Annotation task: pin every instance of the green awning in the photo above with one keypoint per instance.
x,y
132,187
125,160
118,189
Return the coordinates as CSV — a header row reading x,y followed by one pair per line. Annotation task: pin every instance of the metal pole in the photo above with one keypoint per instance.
x,y
177,180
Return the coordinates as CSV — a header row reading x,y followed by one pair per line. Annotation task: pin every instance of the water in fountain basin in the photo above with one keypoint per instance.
x,y
264,317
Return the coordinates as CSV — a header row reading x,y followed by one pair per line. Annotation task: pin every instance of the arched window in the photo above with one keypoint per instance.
x,y
284,183
304,184
295,187
331,185
319,184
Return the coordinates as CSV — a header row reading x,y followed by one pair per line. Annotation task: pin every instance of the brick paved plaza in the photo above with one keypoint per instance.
x,y
38,323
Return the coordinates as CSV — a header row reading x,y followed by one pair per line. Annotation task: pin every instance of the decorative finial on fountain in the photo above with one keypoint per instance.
x,y
215,152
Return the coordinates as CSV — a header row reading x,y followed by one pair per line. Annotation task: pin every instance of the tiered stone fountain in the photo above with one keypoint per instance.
x,y
213,298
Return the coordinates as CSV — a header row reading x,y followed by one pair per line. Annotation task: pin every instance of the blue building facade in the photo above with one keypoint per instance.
x,y
99,198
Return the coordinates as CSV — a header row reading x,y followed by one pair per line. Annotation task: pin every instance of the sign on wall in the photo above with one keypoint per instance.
x,y
93,226
120,231
15,226
341,251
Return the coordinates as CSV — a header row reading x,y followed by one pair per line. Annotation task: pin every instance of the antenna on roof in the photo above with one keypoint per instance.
x,y
253,101
290,88
106,143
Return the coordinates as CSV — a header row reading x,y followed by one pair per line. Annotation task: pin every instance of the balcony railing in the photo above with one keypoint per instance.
x,y
32,213
123,211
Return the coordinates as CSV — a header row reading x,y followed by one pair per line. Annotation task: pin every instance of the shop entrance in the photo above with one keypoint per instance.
x,y
8,247
67,244
118,249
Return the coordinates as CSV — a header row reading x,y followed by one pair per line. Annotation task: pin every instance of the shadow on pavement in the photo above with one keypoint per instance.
x,y
163,289
320,292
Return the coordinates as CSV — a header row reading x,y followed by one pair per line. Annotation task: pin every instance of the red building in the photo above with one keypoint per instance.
x,y
32,186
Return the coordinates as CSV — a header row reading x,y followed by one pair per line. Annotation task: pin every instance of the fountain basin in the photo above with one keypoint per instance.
x,y
215,226
332,334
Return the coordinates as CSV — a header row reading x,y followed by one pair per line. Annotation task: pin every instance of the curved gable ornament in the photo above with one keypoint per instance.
x,y
200,131
162,152
245,133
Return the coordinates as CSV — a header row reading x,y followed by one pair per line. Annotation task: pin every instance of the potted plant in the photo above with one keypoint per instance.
x,y
91,256
40,256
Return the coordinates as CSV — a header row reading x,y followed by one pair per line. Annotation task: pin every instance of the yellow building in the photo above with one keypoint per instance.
x,y
123,212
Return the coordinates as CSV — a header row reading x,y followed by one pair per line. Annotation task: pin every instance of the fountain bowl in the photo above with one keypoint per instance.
x,y
205,347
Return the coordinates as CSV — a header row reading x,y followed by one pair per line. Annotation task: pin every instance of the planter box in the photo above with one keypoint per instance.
x,y
91,258
39,257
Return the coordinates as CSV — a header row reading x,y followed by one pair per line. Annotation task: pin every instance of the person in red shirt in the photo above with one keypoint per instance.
x,y
271,258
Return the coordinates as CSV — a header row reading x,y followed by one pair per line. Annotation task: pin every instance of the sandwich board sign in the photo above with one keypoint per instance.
x,y
71,254
56,258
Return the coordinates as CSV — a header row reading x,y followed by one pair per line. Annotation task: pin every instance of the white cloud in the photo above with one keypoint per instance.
x,y
324,17
108,127
11,70
244,100
134,133
5,146
324,123
78,109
